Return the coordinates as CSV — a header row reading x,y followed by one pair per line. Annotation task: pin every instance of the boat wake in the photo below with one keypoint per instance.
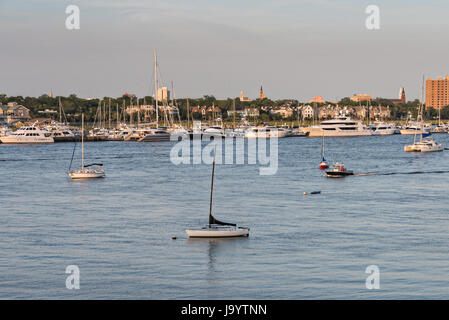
x,y
393,173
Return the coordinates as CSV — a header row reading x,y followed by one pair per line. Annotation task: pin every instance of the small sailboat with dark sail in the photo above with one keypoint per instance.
x,y
216,228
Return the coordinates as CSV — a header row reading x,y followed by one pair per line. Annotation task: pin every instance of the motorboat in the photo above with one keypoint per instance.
x,y
214,132
216,228
341,126
383,129
90,171
155,135
413,129
265,132
338,171
28,135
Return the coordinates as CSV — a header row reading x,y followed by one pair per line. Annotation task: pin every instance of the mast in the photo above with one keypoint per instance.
x,y
82,141
211,218
109,112
138,113
188,116
421,106
322,148
116,119
233,109
60,110
156,85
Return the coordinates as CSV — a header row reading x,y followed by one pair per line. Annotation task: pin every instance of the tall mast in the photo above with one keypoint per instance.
x,y
212,189
188,116
233,108
422,106
60,110
116,119
82,141
109,112
156,85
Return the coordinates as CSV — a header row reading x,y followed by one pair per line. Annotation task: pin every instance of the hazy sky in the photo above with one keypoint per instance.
x,y
295,49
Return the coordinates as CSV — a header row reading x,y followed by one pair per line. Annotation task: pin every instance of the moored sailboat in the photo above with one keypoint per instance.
x,y
90,171
216,228
423,145
323,164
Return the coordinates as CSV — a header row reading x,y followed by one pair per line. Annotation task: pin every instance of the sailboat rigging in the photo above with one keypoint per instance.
x,y
217,228
90,171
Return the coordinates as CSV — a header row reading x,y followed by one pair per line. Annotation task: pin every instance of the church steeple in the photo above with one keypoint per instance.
x,y
261,94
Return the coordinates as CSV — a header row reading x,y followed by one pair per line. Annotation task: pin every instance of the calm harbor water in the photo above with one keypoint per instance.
x,y
118,230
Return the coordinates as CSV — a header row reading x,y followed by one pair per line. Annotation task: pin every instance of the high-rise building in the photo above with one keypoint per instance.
x,y
163,94
437,92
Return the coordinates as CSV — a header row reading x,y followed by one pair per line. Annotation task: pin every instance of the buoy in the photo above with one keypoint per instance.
x,y
304,193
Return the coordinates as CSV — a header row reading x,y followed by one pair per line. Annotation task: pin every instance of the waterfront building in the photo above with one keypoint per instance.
x,y
14,112
361,97
437,92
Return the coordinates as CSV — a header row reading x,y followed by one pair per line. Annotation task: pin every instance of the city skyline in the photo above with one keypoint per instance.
x,y
294,49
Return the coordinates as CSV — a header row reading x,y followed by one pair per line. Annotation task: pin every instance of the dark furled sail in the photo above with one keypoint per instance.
x,y
212,220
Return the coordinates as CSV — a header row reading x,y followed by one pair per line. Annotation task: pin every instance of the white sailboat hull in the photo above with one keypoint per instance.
x,y
25,140
218,232
86,174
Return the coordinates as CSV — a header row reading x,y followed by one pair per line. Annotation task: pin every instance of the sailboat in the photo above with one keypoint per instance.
x,y
423,145
216,228
90,171
323,163
156,135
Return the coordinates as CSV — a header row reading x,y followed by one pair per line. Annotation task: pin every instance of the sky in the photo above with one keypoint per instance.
x,y
294,49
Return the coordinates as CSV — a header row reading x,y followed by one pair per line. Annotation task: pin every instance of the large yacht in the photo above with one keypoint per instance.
x,y
28,135
341,126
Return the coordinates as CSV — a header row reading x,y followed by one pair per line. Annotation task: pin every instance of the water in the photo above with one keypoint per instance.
x,y
118,230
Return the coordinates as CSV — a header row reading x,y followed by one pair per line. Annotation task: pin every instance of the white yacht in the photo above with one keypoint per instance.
x,y
28,135
60,132
155,135
383,129
266,132
416,128
342,126
213,131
